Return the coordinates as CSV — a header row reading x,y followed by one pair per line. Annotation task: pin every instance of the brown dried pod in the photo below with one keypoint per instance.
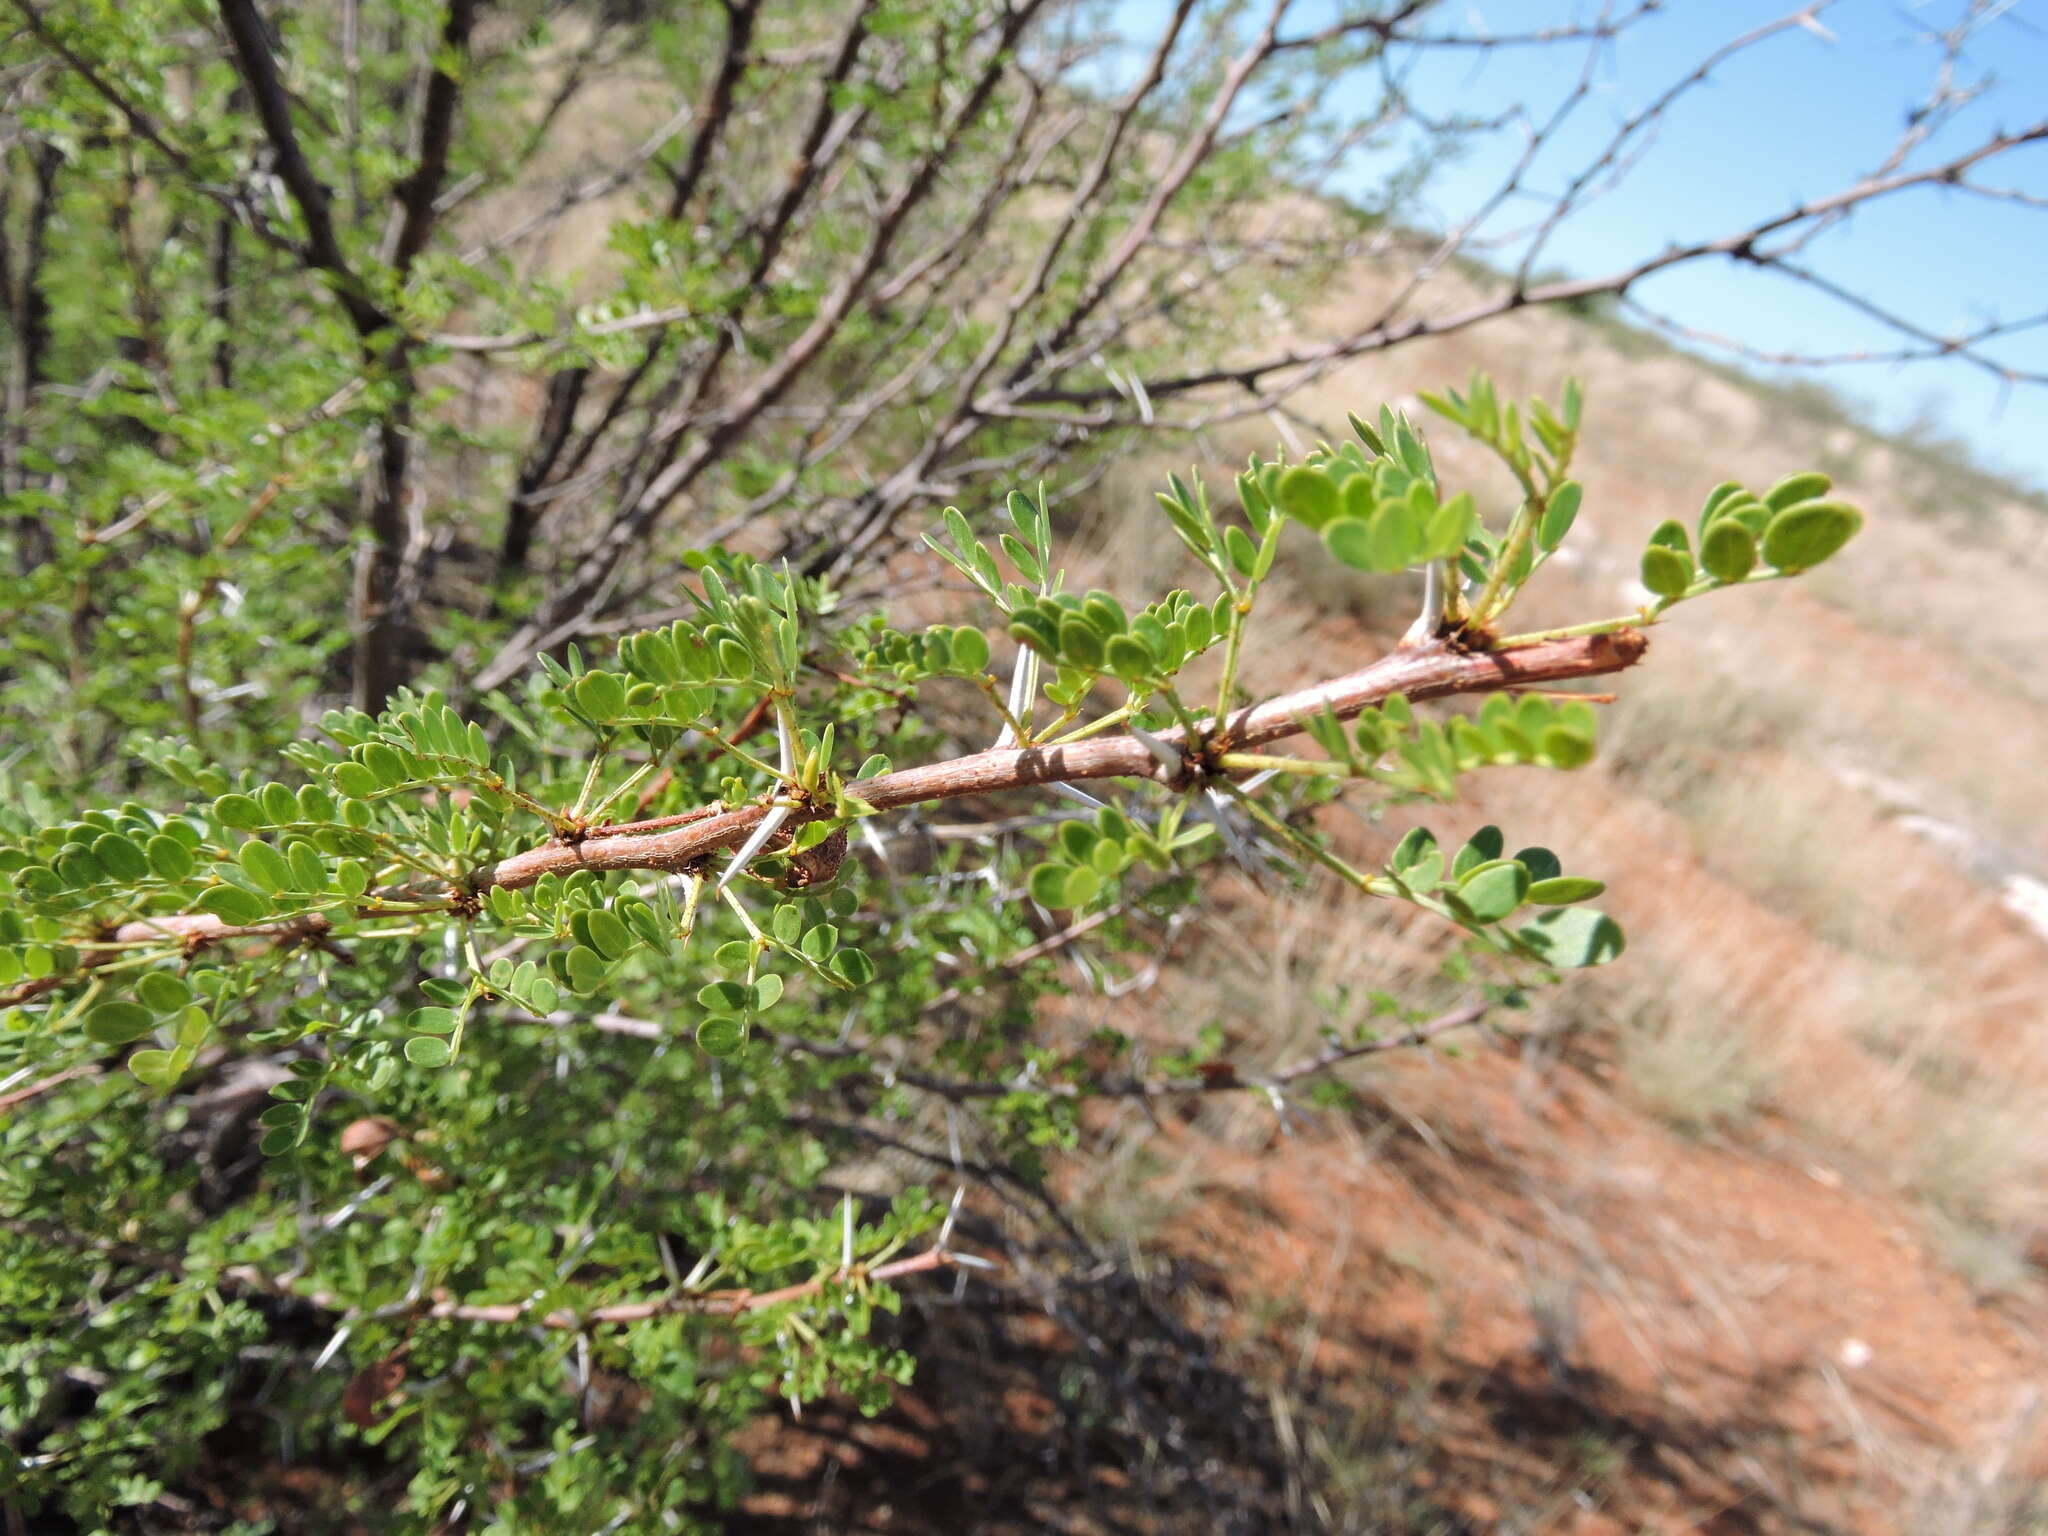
x,y
818,865
430,1175
363,1141
364,1399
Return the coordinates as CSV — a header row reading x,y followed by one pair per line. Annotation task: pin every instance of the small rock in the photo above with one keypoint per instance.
x,y
2027,899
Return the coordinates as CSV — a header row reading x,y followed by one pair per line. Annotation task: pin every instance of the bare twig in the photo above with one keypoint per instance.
x,y
570,604
1740,245
42,1086
1211,1077
418,195
249,34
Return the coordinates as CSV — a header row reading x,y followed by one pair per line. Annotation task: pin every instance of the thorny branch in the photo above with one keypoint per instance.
x,y
1423,672
1430,671
248,1279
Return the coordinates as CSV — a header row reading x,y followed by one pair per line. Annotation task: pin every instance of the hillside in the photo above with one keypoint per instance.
x,y
1745,1233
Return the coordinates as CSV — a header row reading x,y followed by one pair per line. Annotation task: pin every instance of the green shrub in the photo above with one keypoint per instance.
x,y
464,1053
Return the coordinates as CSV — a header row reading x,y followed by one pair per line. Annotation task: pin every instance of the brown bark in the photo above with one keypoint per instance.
x,y
1420,672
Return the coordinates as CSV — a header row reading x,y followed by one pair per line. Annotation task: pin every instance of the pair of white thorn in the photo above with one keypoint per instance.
x,y
772,822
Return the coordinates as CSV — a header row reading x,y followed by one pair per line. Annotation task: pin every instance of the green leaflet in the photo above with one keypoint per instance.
x,y
1666,572
1802,536
721,1037
118,1023
1728,551
1492,890
1572,937
1309,497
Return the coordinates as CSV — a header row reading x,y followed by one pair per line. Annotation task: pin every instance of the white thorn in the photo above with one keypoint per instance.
x,y
700,1269
1219,813
1078,795
1023,690
770,825
867,832
1168,758
340,1338
952,1215
1424,627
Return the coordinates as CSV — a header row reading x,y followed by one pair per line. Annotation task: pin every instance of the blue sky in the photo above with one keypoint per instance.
x,y
1800,116
1797,117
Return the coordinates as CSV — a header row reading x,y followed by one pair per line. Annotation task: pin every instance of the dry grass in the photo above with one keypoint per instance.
x,y
1987,1495
1696,1068
1808,974
1906,660
1810,850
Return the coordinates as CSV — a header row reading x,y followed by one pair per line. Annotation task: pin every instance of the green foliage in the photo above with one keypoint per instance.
x,y
1088,857
497,1037
1744,537
402,823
